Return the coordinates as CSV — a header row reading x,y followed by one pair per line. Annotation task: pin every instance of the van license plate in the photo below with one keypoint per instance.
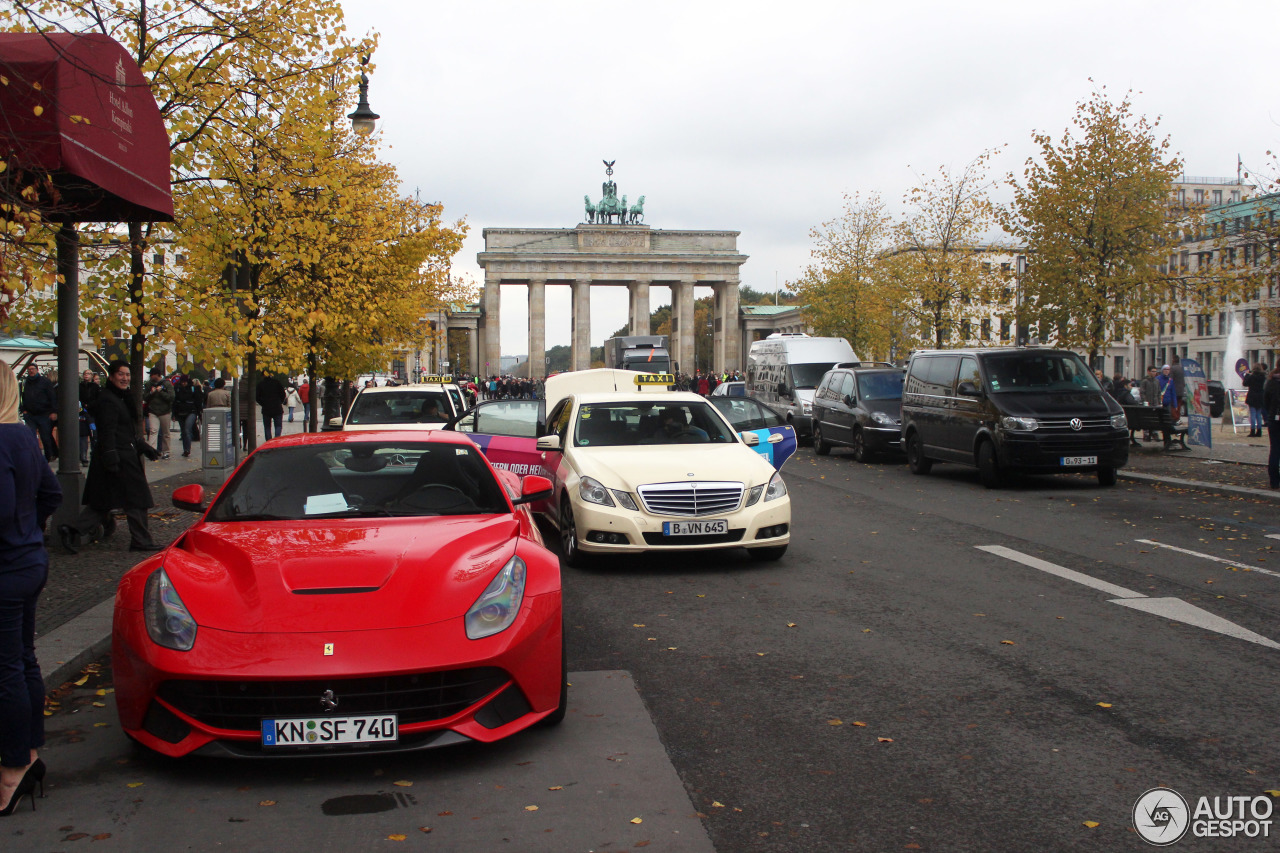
x,y
1079,460
326,731
695,528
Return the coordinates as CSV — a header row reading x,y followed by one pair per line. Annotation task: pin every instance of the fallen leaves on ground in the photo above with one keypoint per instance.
x,y
1090,823
403,783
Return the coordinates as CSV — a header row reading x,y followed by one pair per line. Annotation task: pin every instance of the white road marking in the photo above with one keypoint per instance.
x,y
1170,608
1179,611
1236,563
1053,569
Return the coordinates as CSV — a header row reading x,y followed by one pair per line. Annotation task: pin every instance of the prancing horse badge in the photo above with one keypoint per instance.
x,y
328,648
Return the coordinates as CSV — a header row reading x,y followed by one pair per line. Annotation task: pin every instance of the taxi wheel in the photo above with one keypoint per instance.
x,y
820,447
916,460
1106,476
767,555
569,551
860,452
988,468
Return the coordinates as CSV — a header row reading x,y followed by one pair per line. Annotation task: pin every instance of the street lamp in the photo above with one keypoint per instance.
x,y
364,119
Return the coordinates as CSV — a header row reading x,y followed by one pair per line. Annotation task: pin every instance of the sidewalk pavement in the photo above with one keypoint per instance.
x,y
73,622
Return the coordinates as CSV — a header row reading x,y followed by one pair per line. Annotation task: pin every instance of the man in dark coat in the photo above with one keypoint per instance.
x,y
270,399
40,408
116,479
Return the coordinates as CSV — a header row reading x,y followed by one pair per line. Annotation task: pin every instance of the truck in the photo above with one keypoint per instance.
x,y
645,353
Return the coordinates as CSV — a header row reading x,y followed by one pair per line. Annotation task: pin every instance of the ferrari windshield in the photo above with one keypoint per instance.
x,y
1038,373
406,406
360,479
646,422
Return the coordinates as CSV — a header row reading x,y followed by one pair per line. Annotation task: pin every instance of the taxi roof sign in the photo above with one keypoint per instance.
x,y
665,379
438,380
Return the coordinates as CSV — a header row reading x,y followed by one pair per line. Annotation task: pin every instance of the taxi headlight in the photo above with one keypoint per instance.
x,y
498,606
594,492
776,489
1119,421
169,623
625,500
1025,424
754,495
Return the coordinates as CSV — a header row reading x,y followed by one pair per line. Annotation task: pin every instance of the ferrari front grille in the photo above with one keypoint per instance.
x,y
691,498
417,698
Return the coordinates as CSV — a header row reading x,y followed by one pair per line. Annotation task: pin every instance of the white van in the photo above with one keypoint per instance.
x,y
784,369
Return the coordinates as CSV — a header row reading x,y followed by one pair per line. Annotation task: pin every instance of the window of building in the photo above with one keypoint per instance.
x,y
1006,329
1119,365
986,329
1182,326
180,260
1222,322
1235,196
966,329
1199,196
158,259
1217,196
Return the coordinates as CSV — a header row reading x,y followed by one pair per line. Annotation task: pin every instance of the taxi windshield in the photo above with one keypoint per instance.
x,y
649,422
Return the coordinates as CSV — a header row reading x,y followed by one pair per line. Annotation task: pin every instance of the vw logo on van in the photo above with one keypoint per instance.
x,y
1077,424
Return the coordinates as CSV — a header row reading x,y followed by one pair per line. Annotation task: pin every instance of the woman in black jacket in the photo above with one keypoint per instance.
x,y
1271,410
1254,381
116,479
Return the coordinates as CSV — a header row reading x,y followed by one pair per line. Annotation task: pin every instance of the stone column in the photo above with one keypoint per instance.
x,y
580,340
537,329
639,292
728,334
682,335
492,353
473,349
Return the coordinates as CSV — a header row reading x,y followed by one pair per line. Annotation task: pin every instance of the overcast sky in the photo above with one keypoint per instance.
x,y
757,117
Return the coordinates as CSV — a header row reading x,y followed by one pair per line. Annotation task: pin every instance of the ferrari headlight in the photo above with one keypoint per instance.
x,y
594,492
776,489
169,623
498,605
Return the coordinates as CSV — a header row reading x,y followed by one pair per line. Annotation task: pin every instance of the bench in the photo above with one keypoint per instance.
x,y
1156,419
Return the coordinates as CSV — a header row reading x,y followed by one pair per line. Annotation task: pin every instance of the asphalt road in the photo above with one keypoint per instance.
x,y
887,685
890,686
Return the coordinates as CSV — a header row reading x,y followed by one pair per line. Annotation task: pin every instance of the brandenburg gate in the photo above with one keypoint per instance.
x,y
602,253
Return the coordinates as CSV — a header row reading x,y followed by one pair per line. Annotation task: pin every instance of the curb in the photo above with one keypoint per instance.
x,y
1212,488
70,647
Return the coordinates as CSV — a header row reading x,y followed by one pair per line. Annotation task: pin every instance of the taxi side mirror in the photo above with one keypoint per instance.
x,y
190,498
750,439
548,442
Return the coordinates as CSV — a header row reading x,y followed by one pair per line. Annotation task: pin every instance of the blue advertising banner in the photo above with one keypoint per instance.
x,y
1199,422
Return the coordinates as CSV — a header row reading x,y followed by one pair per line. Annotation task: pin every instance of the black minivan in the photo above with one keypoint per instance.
x,y
1011,409
857,407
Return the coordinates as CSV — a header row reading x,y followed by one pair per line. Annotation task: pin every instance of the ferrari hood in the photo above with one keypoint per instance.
x,y
631,466
344,575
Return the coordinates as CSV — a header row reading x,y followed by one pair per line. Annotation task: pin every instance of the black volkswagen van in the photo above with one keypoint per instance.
x,y
1011,409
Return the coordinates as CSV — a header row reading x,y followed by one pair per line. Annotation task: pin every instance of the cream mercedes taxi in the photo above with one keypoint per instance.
x,y
637,467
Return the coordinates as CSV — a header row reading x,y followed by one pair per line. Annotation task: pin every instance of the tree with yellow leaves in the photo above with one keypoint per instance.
x,y
1094,214
844,292
202,58
936,269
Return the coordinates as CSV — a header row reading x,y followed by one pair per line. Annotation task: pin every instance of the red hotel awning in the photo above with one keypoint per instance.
x,y
77,106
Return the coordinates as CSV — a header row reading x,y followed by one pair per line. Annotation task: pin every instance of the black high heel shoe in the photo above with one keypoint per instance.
x,y
37,772
26,786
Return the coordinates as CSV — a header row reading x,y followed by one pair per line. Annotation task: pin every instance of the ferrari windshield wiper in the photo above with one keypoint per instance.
x,y
256,516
